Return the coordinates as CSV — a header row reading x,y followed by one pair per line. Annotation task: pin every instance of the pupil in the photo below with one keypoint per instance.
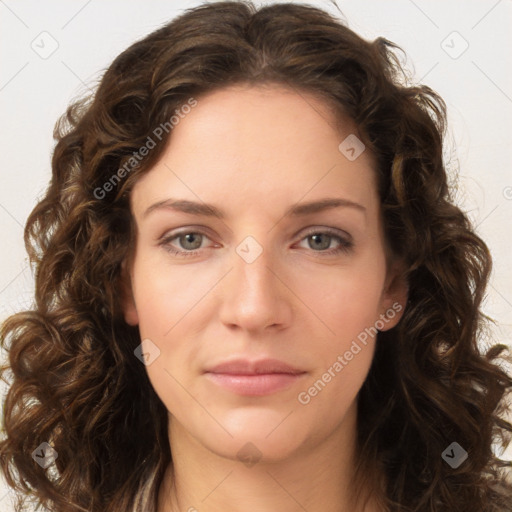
x,y
190,238
315,239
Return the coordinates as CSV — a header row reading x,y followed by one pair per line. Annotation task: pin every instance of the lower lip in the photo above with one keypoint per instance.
x,y
255,385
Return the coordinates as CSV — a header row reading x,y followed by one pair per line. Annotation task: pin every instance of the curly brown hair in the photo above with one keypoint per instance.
x,y
75,381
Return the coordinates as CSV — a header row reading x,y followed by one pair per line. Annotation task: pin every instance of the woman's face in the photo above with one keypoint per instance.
x,y
260,327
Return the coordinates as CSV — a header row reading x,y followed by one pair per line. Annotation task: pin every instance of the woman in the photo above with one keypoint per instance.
x,y
253,370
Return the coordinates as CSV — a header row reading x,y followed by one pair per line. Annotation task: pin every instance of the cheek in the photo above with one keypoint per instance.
x,y
347,306
165,295
345,300
171,314
345,349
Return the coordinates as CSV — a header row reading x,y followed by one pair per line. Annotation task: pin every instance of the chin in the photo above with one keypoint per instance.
x,y
258,433
254,448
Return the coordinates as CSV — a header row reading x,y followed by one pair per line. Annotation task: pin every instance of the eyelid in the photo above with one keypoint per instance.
x,y
328,231
202,230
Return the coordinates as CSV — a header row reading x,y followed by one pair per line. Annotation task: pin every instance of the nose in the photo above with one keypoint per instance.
x,y
255,295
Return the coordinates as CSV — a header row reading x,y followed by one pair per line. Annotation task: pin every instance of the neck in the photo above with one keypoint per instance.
x,y
315,479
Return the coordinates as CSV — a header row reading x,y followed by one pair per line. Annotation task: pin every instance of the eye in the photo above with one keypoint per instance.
x,y
321,239
191,241
318,240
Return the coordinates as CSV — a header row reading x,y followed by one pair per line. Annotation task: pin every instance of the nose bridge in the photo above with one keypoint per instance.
x,y
254,296
252,263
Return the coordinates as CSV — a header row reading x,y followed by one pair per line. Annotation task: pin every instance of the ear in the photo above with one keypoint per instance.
x,y
129,307
394,296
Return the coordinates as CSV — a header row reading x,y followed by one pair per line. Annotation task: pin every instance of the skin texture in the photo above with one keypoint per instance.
x,y
254,152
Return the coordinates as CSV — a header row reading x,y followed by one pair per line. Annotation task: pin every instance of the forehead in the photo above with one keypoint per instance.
x,y
267,144
270,109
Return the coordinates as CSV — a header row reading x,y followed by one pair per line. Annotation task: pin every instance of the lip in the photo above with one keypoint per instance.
x,y
254,378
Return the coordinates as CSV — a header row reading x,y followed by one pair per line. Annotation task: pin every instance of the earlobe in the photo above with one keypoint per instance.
x,y
131,316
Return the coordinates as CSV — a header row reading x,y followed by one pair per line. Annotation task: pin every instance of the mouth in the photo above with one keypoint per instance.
x,y
254,378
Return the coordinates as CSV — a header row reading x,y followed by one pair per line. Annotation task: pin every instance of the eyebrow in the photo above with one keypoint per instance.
x,y
210,210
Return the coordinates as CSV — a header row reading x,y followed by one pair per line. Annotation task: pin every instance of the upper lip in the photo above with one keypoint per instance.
x,y
258,367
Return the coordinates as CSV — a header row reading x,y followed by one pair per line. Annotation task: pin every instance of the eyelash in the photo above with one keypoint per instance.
x,y
346,246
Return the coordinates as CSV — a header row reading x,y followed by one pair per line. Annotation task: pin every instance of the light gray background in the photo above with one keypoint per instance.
x,y
476,83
